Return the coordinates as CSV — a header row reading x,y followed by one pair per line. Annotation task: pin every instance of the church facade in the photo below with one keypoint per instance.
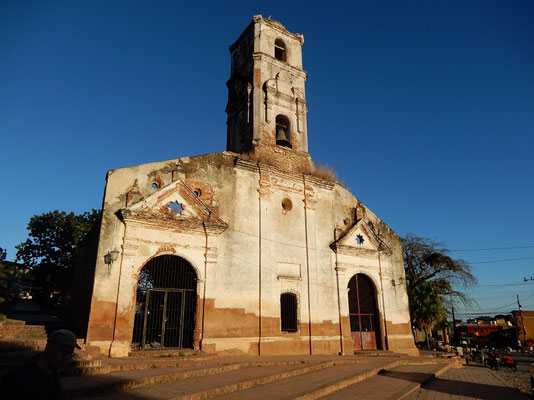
x,y
251,249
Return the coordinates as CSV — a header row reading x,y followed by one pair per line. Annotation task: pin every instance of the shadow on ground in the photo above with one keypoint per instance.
x,y
476,390
416,377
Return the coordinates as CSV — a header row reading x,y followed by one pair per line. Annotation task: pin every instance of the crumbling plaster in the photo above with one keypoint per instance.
x,y
248,198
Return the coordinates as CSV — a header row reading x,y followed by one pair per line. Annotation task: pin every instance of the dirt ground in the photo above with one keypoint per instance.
x,y
521,378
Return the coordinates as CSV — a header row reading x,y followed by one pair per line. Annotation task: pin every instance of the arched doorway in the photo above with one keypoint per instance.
x,y
166,304
363,313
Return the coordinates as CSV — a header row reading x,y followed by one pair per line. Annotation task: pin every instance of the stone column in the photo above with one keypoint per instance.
x,y
122,327
210,261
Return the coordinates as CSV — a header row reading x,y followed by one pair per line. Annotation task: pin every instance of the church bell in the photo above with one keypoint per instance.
x,y
282,138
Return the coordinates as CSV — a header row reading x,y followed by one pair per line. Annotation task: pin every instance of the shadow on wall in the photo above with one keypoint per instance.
x,y
82,285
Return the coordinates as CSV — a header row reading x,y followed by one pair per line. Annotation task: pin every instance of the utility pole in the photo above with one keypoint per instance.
x,y
522,320
452,309
453,318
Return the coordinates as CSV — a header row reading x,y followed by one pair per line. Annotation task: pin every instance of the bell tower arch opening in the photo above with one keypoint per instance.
x,y
166,304
280,50
363,313
283,131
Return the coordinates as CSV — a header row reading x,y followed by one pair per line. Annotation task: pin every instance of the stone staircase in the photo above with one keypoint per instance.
x,y
198,377
19,342
12,328
185,374
17,335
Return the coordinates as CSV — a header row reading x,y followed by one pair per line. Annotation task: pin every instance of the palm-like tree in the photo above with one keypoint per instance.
x,y
427,305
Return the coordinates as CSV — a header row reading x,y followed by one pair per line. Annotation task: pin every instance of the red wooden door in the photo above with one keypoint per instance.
x,y
368,340
362,313
356,340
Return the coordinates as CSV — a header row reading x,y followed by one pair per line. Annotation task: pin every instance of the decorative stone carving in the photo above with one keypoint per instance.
x,y
134,195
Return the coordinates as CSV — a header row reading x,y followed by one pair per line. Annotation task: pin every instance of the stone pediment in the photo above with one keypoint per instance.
x,y
176,207
359,240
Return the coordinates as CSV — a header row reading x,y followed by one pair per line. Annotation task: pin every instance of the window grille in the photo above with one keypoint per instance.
x,y
166,304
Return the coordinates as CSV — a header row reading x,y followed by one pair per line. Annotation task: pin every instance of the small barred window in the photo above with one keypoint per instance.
x,y
288,312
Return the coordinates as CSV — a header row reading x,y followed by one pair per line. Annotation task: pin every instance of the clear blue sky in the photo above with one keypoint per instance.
x,y
425,109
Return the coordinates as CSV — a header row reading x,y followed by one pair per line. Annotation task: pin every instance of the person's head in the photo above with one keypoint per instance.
x,y
60,347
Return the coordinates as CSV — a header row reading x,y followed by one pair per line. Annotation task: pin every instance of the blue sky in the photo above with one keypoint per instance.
x,y
425,109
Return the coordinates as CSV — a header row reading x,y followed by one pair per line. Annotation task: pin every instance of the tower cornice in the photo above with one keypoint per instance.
x,y
260,56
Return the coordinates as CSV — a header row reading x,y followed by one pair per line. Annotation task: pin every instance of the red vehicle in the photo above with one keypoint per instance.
x,y
507,361
495,360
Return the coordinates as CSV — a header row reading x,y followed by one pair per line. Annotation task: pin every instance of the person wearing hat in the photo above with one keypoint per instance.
x,y
38,378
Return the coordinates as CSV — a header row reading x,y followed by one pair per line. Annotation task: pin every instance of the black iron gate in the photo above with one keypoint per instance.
x,y
166,304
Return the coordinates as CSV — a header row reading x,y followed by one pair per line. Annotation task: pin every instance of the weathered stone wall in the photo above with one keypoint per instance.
x,y
82,283
267,239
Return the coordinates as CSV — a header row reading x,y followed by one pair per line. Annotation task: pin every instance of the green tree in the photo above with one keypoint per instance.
x,y
51,248
427,306
3,278
431,274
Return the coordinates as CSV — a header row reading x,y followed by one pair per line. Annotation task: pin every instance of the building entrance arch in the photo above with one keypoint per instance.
x,y
166,304
363,313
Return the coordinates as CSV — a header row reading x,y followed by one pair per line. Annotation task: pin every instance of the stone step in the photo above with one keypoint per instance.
x,y
277,382
24,343
315,384
377,353
81,364
11,344
89,369
26,331
107,365
340,380
131,365
171,353
392,384
189,381
391,379
82,360
9,321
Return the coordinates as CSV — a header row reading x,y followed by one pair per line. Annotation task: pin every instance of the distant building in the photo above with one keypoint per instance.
x,y
527,321
441,335
15,280
476,332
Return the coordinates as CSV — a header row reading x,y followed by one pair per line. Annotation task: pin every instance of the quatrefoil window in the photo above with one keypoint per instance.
x,y
176,208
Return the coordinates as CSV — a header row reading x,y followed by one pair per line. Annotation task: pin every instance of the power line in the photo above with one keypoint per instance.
x,y
491,310
503,260
497,248
329,251
502,284
528,297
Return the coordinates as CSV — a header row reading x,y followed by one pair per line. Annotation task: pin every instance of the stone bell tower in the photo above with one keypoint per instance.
x,y
266,96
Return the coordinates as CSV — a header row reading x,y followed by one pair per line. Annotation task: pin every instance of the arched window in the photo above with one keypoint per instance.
x,y
283,136
288,312
280,52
